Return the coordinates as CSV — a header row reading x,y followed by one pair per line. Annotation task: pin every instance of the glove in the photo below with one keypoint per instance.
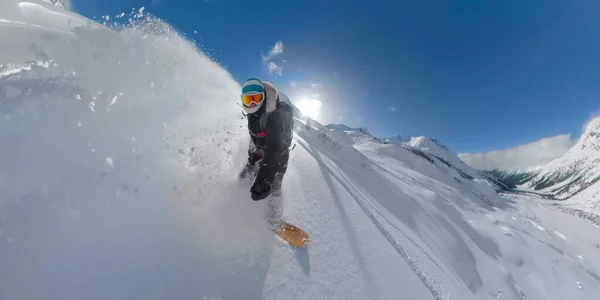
x,y
260,190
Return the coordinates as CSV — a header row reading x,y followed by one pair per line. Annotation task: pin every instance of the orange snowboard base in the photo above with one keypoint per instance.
x,y
292,235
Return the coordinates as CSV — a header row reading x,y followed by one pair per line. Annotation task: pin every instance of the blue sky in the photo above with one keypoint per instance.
x,y
477,75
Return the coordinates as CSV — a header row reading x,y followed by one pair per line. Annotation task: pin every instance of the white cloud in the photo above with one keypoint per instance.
x,y
274,68
392,108
316,95
315,85
277,49
523,156
293,84
274,65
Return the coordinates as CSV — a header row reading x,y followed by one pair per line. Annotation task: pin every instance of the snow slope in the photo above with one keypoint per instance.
x,y
118,181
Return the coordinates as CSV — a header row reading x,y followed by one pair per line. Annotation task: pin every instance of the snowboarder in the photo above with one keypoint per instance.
x,y
270,124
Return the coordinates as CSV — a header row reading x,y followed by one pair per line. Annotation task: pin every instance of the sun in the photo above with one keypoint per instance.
x,y
310,107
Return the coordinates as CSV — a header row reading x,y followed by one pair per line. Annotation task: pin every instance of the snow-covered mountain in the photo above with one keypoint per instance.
x,y
441,152
116,182
570,174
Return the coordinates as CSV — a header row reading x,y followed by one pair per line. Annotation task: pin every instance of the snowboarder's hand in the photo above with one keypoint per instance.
x,y
260,190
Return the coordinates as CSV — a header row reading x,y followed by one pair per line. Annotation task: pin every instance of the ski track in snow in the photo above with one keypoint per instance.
x,y
562,236
540,228
403,250
147,204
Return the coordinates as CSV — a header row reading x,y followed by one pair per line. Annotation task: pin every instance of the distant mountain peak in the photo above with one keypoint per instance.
x,y
422,141
593,123
590,138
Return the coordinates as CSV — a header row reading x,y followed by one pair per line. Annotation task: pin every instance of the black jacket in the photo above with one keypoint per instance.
x,y
271,135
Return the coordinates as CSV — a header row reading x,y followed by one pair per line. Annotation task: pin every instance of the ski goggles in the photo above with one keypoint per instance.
x,y
257,99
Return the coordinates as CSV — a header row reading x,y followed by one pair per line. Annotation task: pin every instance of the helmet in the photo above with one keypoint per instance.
x,y
253,95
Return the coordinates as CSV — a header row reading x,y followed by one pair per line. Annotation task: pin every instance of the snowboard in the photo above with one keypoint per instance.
x,y
292,234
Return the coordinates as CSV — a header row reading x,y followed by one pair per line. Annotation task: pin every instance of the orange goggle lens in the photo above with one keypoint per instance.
x,y
256,98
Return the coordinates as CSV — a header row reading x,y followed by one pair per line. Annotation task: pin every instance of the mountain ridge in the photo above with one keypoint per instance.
x,y
428,148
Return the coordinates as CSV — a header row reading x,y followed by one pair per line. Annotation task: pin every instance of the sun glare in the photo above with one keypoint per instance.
x,y
310,107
